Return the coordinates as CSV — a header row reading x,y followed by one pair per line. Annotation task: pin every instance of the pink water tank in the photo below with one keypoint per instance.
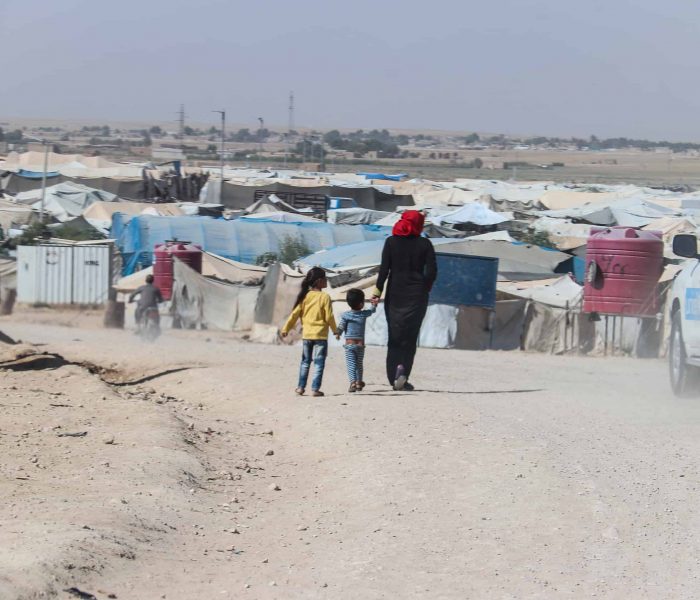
x,y
623,267
190,254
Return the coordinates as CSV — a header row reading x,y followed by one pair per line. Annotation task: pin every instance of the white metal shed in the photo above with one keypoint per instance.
x,y
56,274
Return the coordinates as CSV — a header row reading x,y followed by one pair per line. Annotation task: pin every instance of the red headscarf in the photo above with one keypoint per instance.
x,y
411,223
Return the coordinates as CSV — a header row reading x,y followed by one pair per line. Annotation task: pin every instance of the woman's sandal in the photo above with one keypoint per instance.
x,y
299,391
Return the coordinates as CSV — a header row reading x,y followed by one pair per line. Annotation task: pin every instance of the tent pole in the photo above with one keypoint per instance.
x,y
43,180
605,343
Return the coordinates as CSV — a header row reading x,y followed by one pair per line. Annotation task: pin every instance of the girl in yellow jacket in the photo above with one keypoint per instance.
x,y
314,308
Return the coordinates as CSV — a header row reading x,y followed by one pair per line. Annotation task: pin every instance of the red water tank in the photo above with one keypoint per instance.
x,y
188,253
623,266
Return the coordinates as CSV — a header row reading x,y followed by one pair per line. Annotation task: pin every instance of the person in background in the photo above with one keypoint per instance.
x,y
314,307
409,265
149,297
352,323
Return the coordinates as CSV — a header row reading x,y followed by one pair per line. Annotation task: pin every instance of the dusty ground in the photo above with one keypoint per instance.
x,y
507,475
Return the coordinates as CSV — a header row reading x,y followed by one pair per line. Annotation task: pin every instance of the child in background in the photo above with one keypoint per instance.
x,y
352,322
314,308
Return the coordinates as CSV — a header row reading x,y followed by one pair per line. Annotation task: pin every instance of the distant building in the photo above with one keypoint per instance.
x,y
165,153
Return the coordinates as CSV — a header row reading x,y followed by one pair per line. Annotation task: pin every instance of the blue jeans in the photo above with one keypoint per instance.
x,y
316,350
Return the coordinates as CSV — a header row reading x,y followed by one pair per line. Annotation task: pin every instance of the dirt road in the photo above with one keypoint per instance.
x,y
192,471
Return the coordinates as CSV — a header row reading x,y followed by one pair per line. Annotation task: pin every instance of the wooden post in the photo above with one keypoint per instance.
x,y
8,302
114,315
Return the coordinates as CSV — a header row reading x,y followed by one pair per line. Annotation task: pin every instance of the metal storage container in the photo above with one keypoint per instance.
x,y
188,253
465,280
53,274
623,266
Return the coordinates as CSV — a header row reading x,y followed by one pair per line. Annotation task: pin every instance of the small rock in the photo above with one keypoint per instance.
x,y
108,438
302,528
247,586
34,460
192,490
231,548
268,432
274,487
266,560
272,452
273,584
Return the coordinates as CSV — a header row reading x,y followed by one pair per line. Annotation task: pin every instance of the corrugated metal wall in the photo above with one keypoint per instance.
x,y
63,274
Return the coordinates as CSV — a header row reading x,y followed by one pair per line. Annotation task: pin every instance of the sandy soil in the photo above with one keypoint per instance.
x,y
201,475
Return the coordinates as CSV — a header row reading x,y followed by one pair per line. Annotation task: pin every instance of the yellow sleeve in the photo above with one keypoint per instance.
x,y
330,318
293,318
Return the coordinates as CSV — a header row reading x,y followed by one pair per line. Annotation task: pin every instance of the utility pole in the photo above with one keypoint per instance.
x,y
43,180
260,134
181,121
290,127
223,139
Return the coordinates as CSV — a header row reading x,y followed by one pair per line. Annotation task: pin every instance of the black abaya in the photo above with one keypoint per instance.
x,y
410,266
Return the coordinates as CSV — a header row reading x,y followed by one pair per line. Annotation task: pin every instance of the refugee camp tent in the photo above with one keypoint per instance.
x,y
270,204
563,233
240,195
447,197
474,213
670,227
213,267
629,212
355,216
13,215
242,240
276,300
99,214
516,261
279,217
354,256
560,199
202,302
65,201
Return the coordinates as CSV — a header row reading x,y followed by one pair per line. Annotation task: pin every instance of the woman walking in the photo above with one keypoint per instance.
x,y
408,261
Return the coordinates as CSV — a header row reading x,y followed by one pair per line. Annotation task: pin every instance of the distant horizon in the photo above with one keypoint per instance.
x,y
233,126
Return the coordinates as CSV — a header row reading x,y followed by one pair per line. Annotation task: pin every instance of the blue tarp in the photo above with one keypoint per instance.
x,y
397,177
465,280
37,174
241,240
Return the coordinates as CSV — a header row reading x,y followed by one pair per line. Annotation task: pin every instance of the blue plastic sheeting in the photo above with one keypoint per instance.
x,y
397,177
36,174
576,266
361,254
465,280
239,240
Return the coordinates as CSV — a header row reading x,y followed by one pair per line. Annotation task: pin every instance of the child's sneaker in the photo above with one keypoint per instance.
x,y
360,385
299,391
353,387
400,380
317,393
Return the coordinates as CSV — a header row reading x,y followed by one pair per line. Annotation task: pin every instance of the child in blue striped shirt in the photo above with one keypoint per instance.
x,y
352,323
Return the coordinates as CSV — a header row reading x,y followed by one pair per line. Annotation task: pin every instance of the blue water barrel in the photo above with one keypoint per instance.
x,y
465,280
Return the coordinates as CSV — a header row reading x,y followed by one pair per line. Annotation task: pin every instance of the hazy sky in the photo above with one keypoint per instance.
x,y
555,67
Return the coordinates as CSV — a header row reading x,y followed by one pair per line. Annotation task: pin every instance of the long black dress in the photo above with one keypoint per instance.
x,y
409,263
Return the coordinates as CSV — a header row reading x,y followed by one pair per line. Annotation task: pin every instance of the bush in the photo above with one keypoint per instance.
x,y
537,238
291,249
